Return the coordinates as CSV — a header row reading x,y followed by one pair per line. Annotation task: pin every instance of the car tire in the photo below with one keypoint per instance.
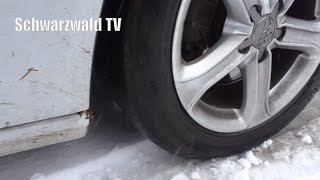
x,y
153,96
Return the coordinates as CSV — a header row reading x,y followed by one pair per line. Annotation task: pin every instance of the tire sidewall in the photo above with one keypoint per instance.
x,y
152,92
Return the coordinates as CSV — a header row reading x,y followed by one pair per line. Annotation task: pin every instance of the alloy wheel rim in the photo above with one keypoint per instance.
x,y
239,47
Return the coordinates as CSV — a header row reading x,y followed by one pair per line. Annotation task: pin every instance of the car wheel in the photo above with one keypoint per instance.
x,y
211,78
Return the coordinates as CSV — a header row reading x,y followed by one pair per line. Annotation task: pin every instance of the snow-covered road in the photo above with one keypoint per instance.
x,y
111,152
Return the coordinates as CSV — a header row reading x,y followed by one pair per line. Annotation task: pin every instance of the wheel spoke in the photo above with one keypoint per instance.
x,y
247,43
227,46
238,10
317,10
256,78
233,27
286,6
191,90
301,35
267,5
256,17
293,82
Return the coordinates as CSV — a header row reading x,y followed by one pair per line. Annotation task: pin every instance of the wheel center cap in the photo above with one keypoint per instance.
x,y
264,32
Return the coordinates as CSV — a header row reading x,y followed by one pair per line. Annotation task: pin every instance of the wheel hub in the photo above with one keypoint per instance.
x,y
265,30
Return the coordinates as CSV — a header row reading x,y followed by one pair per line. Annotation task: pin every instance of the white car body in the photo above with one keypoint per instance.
x,y
44,76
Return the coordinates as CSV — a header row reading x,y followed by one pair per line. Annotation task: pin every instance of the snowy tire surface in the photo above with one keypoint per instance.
x,y
153,96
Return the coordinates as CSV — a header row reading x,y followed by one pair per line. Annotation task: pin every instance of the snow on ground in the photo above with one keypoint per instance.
x,y
112,153
292,155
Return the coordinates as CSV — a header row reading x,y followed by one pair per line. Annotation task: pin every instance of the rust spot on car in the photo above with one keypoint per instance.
x,y
28,72
88,115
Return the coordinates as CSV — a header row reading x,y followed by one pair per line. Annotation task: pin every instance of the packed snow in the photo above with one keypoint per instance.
x,y
114,154
180,176
195,175
293,155
306,139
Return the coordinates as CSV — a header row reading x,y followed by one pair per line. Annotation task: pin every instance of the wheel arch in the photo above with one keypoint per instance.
x,y
107,88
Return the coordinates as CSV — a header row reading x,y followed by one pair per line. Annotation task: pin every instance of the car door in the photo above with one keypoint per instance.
x,y
44,74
